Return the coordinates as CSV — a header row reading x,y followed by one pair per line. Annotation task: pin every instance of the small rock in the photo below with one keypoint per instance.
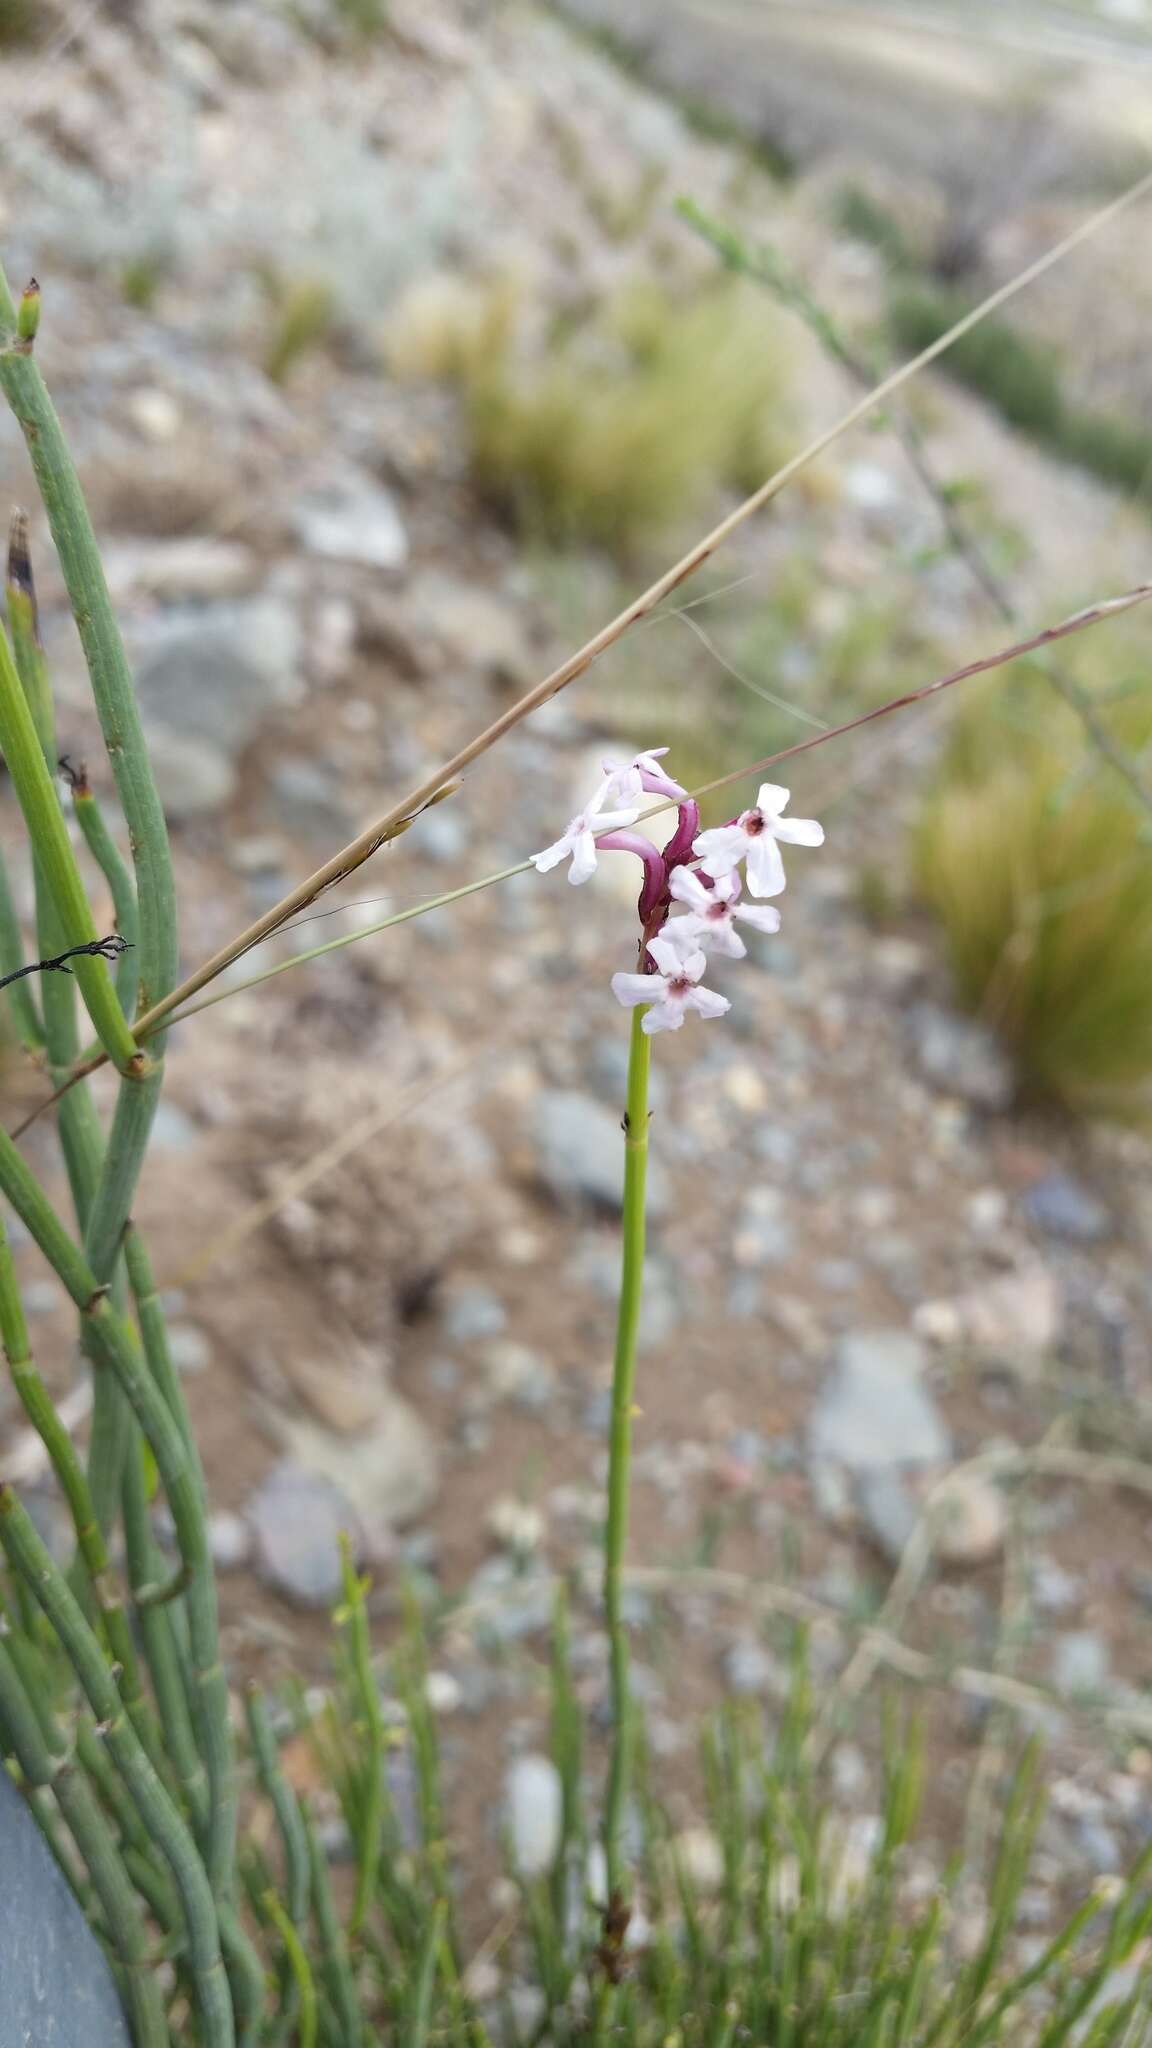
x,y
888,1507
173,1129
961,1057
1064,1208
230,1540
514,1372
189,1347
580,1151
58,1986
1081,1662
193,777
465,626
472,1313
1016,1318
212,673
388,1470
750,1668
873,1409
534,1808
297,1519
515,1524
192,566
443,1692
973,1521
351,518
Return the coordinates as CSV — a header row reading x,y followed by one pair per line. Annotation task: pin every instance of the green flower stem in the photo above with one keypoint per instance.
x,y
48,834
304,1984
21,1000
114,1348
111,677
47,1767
285,1806
161,1649
32,1561
620,1445
114,868
38,1406
339,1977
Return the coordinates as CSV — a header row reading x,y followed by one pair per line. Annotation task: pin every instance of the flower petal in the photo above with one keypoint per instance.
x,y
668,1016
706,1002
764,919
798,831
721,936
686,887
772,798
667,952
721,848
630,989
765,869
583,858
683,935
553,855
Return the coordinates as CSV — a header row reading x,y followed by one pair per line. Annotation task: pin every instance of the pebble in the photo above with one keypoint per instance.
x,y
580,1154
472,1313
189,1347
533,1807
230,1540
874,1410
1081,1662
961,1057
751,1669
973,1521
701,1858
352,518
1064,1208
516,1525
297,1519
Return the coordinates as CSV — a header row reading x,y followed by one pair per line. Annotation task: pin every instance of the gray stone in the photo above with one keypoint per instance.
x,y
873,1409
888,1508
190,566
56,1989
193,777
580,1152
352,518
751,1669
961,1057
1064,1208
297,1518
473,1313
173,1129
189,1346
534,1806
598,1266
213,673
1081,1662
230,1540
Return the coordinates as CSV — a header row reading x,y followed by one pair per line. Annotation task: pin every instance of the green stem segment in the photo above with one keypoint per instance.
x,y
112,687
31,1561
620,1445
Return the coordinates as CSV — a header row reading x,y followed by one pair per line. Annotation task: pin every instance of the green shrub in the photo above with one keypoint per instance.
x,y
1039,863
301,315
1019,378
1022,380
21,21
858,214
620,426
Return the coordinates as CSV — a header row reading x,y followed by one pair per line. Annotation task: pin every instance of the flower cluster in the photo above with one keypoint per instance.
x,y
699,871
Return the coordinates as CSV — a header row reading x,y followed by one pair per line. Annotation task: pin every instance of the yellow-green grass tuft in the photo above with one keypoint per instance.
x,y
615,428
1038,860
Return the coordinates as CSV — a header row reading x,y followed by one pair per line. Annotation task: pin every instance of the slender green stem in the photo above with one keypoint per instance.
x,y
285,1805
108,667
38,1406
157,1634
371,1814
114,868
30,1558
301,1971
37,797
338,1973
114,1347
47,1766
21,999
620,1444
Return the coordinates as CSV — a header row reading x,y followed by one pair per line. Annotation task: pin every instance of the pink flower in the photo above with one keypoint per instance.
x,y
629,780
672,992
753,838
579,840
712,911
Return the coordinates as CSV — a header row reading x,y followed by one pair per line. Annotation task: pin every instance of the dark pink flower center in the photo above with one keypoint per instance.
x,y
753,823
680,984
717,912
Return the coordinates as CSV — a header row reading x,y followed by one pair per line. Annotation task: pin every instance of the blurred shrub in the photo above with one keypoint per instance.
x,y
1022,380
1039,863
615,426
863,217
21,21
302,311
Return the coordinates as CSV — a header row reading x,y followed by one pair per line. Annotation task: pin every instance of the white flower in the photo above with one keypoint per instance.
x,y
628,781
753,837
712,911
672,992
579,840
